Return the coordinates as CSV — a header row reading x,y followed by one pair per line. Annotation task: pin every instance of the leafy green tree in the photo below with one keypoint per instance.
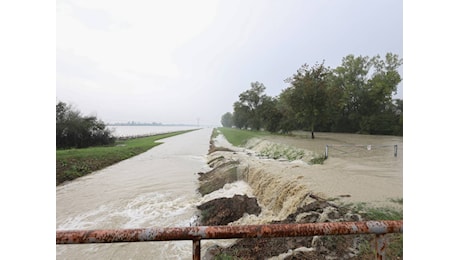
x,y
351,78
240,115
270,114
248,108
308,95
76,131
227,120
288,121
398,111
367,86
354,97
334,105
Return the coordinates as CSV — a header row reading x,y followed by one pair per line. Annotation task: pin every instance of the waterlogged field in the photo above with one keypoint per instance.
x,y
359,168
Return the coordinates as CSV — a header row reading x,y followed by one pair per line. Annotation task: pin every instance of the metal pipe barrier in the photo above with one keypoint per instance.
x,y
379,228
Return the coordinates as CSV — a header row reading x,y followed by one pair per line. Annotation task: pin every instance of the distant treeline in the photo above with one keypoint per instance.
x,y
355,97
132,123
74,130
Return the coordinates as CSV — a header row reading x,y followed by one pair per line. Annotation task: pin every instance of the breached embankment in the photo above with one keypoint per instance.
x,y
278,193
281,198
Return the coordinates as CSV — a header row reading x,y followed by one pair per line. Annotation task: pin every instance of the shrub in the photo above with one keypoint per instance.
x,y
76,131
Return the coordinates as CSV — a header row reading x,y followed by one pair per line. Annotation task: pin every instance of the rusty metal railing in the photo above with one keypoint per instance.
x,y
196,234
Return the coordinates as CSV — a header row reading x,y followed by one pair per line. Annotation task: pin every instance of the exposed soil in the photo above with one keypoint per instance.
x,y
222,211
217,178
307,247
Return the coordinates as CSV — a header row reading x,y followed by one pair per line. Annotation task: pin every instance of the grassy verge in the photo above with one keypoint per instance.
x,y
74,163
238,137
394,249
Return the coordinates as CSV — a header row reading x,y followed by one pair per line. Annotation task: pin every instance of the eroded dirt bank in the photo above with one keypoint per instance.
x,y
297,192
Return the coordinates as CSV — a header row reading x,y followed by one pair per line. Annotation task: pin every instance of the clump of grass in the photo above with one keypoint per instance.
x,y
375,213
397,200
383,214
224,256
317,159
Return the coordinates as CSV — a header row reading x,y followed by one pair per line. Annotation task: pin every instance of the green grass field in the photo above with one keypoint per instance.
x,y
238,137
74,163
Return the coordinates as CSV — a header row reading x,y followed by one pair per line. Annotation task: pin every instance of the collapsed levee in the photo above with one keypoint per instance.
x,y
275,190
281,195
218,177
222,211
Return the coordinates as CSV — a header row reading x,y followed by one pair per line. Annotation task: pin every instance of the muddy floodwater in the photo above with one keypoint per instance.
x,y
154,189
360,168
159,188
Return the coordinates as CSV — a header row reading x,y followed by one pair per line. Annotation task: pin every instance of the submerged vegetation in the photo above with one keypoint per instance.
x,y
239,137
317,159
74,163
278,151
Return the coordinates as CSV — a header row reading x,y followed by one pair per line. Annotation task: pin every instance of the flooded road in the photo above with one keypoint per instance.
x,y
154,189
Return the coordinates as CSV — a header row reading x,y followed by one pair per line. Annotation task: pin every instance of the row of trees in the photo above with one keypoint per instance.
x,y
354,97
74,130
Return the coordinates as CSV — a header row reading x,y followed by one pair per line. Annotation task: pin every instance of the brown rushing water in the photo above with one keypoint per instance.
x,y
158,188
154,189
367,173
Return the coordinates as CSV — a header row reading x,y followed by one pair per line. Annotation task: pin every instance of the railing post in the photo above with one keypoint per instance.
x,y
396,150
196,249
380,245
326,154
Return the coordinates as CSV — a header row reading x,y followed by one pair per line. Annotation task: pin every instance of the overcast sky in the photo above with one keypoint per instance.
x,y
104,65
177,61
